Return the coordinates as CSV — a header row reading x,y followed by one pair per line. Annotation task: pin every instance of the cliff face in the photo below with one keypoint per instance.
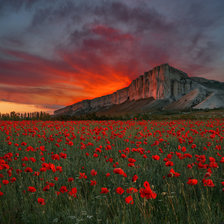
x,y
161,83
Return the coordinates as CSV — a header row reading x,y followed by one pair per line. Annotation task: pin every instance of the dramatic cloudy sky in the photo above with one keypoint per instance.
x,y
57,52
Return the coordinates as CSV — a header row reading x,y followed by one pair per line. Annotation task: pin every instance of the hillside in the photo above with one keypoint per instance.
x,y
162,88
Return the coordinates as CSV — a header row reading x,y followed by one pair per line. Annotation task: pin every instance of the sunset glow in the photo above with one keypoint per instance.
x,y
7,107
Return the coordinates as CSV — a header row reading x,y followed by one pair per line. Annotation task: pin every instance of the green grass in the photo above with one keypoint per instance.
x,y
176,201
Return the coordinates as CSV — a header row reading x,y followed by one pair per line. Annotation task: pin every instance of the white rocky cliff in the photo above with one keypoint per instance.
x,y
161,83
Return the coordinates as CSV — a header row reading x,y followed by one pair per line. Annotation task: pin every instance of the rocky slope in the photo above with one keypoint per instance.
x,y
163,87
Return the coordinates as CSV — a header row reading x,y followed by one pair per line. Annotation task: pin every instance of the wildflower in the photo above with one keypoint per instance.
x,y
120,190
31,189
63,155
134,178
129,200
173,173
156,157
131,190
41,201
59,168
5,182
93,172
70,179
73,192
104,190
192,181
208,183
120,171
147,192
13,179
131,160
28,170
169,163
33,159
46,188
92,182
82,176
63,189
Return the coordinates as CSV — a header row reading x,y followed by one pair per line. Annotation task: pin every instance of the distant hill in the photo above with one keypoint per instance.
x,y
162,88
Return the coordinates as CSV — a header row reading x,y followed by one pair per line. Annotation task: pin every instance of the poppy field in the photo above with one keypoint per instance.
x,y
112,171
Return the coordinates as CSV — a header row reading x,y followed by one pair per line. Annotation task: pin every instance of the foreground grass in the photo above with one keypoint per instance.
x,y
72,148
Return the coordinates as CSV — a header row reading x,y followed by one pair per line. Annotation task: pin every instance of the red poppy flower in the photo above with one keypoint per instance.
x,y
129,200
123,156
63,155
73,192
33,159
93,172
156,157
95,155
63,189
134,178
59,168
131,190
104,190
55,157
192,181
92,182
28,170
82,176
13,179
131,164
70,179
208,183
173,173
5,182
46,188
120,190
52,167
169,163
41,201
32,189
131,160
147,192
120,171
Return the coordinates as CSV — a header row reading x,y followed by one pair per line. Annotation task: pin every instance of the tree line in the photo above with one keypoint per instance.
x,y
25,116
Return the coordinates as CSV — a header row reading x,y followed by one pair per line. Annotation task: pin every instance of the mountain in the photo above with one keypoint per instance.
x,y
162,88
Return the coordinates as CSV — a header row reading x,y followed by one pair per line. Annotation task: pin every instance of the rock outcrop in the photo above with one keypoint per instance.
x,y
161,84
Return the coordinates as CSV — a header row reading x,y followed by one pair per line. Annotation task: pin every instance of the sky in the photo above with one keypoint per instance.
x,y
55,53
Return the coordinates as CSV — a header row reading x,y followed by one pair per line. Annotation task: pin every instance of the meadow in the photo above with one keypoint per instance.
x,y
112,171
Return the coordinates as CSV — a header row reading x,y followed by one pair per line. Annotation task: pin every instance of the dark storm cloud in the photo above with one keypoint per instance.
x,y
183,41
53,13
138,18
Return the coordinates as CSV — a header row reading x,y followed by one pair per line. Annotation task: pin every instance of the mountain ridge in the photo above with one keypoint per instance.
x,y
164,86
